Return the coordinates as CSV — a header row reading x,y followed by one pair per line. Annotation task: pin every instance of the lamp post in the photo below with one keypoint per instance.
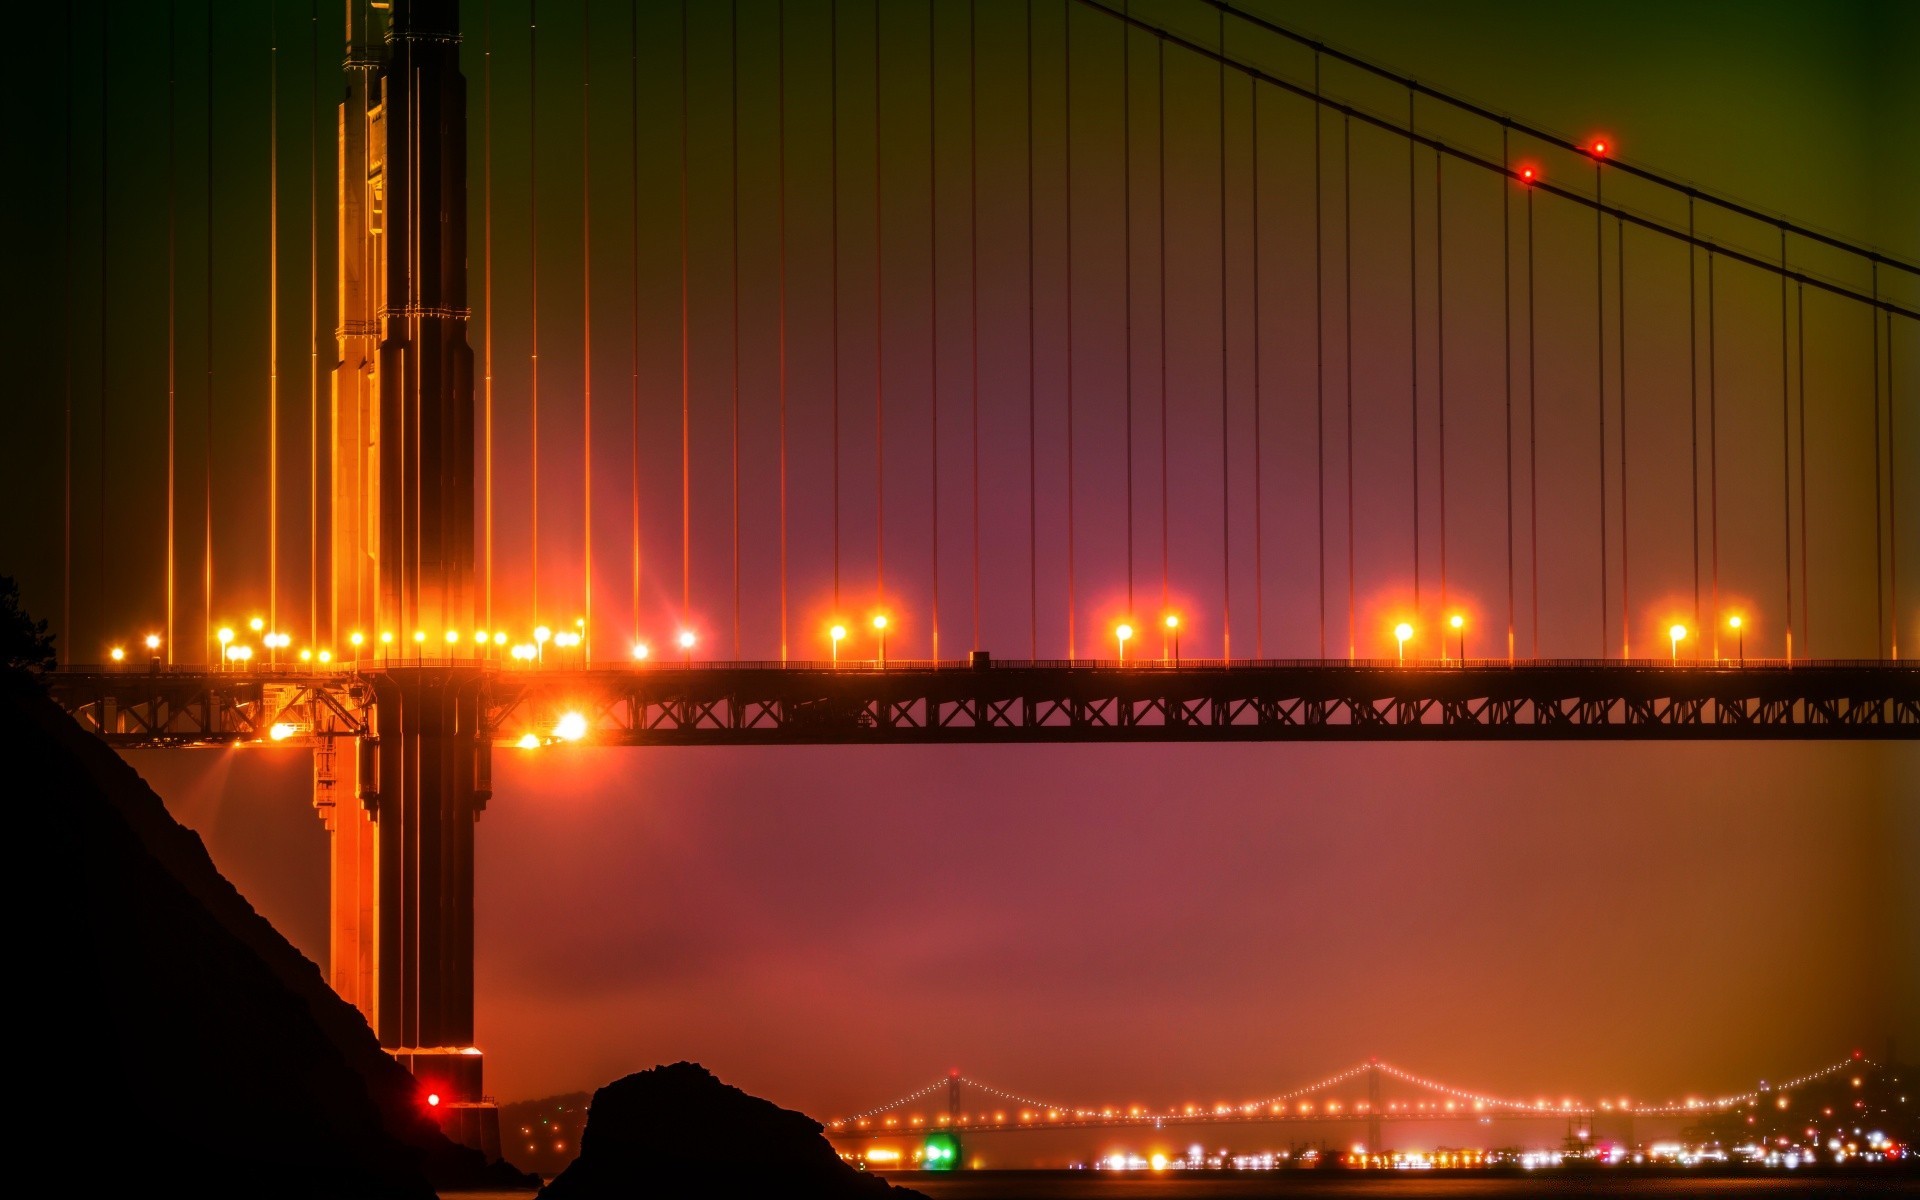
x,y
1675,635
1173,636
836,635
1121,633
880,628
1401,633
541,635
1740,637
1459,624
355,639
686,645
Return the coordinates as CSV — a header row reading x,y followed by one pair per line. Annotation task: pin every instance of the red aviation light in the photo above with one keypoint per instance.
x,y
1528,173
433,1099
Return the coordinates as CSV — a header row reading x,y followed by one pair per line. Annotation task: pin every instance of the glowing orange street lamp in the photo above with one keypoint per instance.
x,y
1173,634
880,628
1459,624
1676,634
640,652
1740,637
541,635
1401,633
1121,633
117,654
686,644
836,635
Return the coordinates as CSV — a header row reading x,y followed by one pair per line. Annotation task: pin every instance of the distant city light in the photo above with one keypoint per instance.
x,y
571,727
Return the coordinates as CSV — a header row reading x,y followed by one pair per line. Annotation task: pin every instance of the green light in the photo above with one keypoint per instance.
x,y
940,1152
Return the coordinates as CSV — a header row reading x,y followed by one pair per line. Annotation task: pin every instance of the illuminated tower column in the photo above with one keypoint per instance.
x,y
403,397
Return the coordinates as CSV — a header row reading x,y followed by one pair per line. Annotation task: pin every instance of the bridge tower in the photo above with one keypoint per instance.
x,y
1373,1106
403,552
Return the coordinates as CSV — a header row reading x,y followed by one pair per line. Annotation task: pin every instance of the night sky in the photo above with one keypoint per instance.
x,y
832,927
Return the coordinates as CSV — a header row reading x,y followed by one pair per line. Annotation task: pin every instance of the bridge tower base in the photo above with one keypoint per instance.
x,y
402,883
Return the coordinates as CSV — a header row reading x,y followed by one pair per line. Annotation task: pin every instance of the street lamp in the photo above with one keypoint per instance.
x,y
1676,634
225,638
686,644
1459,624
837,634
386,647
419,646
880,628
1401,633
541,635
1740,637
355,639
1173,635
117,654
1121,633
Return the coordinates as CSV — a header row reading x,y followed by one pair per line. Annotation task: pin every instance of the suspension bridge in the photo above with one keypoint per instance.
x,y
1333,1099
1239,388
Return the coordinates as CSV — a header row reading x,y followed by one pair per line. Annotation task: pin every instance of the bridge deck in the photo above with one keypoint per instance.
x,y
669,704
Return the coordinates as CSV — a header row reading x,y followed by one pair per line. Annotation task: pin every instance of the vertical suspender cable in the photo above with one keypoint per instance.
x,y
533,294
1893,506
1713,454
1800,360
1600,380
879,338
1166,538
100,536
1033,504
933,326
1126,238
1879,592
733,255
1693,401
206,630
1506,308
1440,359
486,329
1786,448
273,326
1533,439
780,136
1346,290
167,644
313,332
1620,332
833,217
1226,525
1319,363
586,328
973,293
1259,573
66,339
633,396
1066,123
686,356
1413,342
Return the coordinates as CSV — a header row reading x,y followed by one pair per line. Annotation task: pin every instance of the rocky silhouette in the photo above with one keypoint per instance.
x,y
677,1131
174,1042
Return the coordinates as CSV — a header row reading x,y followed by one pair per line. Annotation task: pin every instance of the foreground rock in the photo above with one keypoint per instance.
x,y
174,1042
677,1131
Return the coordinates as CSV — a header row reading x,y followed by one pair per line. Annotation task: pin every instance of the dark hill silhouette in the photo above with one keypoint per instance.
x,y
174,1042
677,1131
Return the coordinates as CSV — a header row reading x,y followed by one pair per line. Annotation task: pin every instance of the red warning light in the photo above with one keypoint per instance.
x,y
433,1099
1529,173
1599,147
